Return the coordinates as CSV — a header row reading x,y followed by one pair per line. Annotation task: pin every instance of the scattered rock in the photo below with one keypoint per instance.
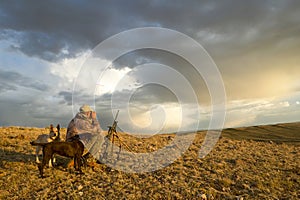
x,y
80,187
203,197
246,186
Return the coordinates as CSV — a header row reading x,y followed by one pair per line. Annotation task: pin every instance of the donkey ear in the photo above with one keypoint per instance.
x,y
51,128
58,126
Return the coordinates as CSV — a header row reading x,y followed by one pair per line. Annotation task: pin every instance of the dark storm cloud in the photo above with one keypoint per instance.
x,y
6,87
144,96
33,112
57,29
67,97
247,40
79,97
175,62
52,28
13,80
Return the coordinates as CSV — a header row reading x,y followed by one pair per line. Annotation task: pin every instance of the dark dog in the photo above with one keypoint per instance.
x,y
72,149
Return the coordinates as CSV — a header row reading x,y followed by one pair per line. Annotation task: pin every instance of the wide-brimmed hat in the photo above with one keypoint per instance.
x,y
85,108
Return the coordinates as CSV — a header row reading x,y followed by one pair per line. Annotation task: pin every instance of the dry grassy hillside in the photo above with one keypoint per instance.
x,y
247,163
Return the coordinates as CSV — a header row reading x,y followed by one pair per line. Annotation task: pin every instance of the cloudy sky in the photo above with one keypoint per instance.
x,y
45,46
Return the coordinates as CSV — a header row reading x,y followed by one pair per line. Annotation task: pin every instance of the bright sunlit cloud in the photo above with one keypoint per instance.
x,y
68,68
109,80
158,118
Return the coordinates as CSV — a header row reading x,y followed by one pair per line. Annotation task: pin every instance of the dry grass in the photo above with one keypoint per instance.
x,y
244,163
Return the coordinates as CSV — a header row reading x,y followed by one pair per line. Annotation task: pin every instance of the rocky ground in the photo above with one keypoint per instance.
x,y
247,163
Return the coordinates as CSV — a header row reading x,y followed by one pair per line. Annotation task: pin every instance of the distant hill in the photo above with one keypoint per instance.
x,y
286,132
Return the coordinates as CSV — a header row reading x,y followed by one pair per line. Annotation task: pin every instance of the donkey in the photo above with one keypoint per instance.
x,y
46,138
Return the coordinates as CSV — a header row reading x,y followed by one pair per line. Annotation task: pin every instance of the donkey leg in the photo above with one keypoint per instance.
x,y
50,162
37,151
53,159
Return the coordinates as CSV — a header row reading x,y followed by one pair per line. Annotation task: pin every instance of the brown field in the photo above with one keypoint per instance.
x,y
260,162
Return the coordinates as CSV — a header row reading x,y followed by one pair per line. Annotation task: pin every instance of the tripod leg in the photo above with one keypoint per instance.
x,y
112,146
104,155
119,151
118,154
